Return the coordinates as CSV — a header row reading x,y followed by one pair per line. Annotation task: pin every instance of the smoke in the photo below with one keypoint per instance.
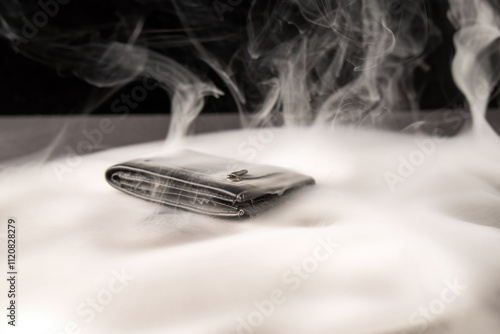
x,y
416,217
475,66
341,61
106,56
299,62
296,62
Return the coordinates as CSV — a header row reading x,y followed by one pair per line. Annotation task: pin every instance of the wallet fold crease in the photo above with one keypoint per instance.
x,y
201,183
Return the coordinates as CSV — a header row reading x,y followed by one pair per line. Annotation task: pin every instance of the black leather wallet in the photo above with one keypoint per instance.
x,y
206,184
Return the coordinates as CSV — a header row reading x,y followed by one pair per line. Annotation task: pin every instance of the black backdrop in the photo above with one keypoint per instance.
x,y
28,87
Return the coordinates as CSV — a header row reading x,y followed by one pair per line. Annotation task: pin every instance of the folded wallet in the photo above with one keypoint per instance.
x,y
206,184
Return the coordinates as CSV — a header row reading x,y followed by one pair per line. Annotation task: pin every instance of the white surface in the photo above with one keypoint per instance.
x,y
193,274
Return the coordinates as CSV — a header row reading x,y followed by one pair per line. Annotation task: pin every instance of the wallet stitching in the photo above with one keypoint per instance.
x,y
185,206
188,195
176,179
190,171
136,178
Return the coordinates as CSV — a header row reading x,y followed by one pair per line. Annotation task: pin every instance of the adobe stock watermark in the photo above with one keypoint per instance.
x,y
379,28
92,305
73,157
30,28
222,6
249,148
93,138
425,148
292,279
408,164
421,319
137,94
483,85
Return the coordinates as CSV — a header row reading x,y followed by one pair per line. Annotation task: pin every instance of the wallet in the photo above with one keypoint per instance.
x,y
206,184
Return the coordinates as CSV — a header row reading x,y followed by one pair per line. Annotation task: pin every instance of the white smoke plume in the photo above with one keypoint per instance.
x,y
297,62
399,235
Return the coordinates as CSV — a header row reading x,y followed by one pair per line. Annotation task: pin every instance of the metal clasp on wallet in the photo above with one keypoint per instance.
x,y
236,176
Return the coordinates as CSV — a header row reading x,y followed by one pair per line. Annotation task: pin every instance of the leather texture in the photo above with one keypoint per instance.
x,y
206,184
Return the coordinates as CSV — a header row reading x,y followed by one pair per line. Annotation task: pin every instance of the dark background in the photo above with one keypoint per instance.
x,y
28,87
